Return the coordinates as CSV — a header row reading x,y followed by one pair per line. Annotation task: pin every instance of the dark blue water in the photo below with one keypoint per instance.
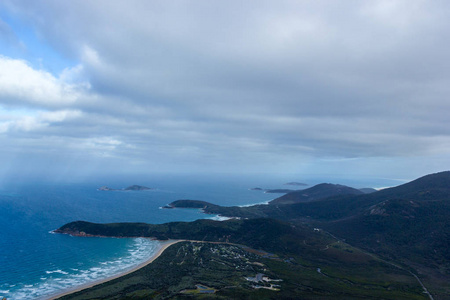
x,y
35,263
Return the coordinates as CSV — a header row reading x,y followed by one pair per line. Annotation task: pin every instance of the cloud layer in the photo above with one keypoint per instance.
x,y
232,85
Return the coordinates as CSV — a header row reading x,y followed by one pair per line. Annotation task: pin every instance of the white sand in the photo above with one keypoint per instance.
x,y
163,247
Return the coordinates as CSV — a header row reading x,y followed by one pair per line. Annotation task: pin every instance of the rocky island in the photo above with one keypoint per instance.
x,y
272,191
256,189
279,191
105,188
296,183
137,188
130,188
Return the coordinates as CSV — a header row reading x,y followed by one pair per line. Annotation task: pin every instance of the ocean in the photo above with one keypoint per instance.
x,y
35,263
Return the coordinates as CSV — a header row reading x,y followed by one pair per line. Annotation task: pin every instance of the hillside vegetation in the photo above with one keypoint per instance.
x,y
303,262
406,228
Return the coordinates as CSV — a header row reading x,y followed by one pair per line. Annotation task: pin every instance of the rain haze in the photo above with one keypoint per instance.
x,y
89,88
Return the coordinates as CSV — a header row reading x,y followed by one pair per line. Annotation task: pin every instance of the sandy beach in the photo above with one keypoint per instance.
x,y
163,247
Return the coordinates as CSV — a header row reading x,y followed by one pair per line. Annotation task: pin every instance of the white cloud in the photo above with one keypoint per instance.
x,y
60,115
20,85
35,120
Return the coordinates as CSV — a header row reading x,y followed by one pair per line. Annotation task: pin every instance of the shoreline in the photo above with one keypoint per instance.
x,y
163,247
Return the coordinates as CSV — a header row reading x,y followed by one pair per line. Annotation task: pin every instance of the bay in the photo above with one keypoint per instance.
x,y
34,263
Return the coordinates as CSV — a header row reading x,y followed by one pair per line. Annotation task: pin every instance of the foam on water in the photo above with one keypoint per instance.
x,y
57,271
59,280
261,203
220,218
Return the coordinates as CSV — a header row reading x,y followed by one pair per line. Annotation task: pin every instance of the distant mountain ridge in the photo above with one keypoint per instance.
x,y
316,192
409,223
331,202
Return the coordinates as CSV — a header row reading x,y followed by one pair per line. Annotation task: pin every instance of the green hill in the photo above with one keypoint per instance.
x,y
316,192
252,232
407,225
307,264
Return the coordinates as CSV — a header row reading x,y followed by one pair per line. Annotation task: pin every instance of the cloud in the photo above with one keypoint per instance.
x,y
232,83
35,122
20,84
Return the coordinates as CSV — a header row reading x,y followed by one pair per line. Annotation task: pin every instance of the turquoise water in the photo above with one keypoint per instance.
x,y
34,263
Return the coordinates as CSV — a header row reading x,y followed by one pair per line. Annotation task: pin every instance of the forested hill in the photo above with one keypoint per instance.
x,y
316,192
335,204
268,234
305,263
408,225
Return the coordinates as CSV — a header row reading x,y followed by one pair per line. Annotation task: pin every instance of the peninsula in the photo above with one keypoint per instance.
x,y
232,251
395,247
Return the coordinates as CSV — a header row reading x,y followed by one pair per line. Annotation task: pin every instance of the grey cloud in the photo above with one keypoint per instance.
x,y
232,80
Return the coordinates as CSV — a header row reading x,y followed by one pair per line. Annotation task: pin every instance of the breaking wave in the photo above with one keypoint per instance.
x,y
60,280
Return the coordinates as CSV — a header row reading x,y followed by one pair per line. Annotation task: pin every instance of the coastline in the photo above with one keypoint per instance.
x,y
163,247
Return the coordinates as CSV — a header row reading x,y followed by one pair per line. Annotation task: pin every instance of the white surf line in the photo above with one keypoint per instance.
x,y
65,292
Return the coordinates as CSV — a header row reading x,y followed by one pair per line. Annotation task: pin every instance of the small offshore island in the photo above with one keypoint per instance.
x,y
326,242
130,188
296,183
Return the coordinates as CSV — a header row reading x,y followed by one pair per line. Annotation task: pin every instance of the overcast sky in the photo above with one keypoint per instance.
x,y
304,87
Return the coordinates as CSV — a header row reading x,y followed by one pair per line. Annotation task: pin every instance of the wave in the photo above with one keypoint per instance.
x,y
220,218
253,204
57,271
59,280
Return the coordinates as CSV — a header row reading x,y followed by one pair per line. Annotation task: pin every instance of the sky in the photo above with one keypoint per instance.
x,y
354,88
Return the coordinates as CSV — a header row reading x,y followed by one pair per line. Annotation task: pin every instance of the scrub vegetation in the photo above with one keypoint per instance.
x,y
382,245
